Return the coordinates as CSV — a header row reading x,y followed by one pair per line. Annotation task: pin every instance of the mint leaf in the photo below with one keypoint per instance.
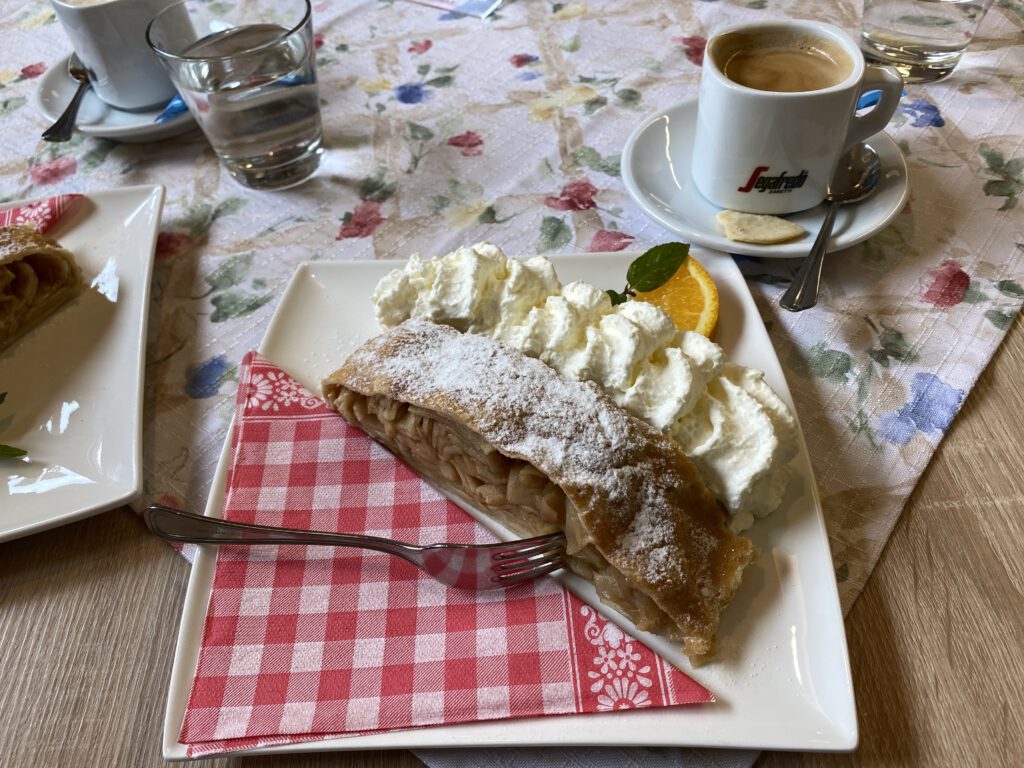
x,y
616,297
656,266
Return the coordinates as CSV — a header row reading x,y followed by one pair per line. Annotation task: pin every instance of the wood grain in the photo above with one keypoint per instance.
x,y
89,615
937,637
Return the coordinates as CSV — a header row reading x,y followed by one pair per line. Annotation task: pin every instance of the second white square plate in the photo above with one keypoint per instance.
x,y
74,384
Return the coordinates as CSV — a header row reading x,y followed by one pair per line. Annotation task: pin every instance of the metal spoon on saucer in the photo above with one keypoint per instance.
x,y
854,179
62,129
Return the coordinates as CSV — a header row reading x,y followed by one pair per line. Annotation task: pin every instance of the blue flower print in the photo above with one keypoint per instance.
x,y
931,409
527,76
925,115
204,380
411,93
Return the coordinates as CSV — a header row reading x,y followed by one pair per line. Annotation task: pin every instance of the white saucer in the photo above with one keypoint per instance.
x,y
96,118
656,172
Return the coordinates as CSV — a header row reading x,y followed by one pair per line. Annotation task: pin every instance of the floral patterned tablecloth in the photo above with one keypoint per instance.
x,y
444,130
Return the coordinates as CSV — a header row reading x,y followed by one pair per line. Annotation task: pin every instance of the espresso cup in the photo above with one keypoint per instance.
x,y
109,37
777,110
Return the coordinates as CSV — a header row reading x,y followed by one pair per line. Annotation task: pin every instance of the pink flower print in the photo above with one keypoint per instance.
x,y
693,47
469,142
575,196
53,171
420,46
519,60
606,240
170,244
33,70
361,222
948,285
318,40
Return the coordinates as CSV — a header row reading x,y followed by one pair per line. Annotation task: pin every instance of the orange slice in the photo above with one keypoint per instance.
x,y
689,297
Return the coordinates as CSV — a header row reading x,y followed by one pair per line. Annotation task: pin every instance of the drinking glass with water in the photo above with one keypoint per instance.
x,y
923,39
248,75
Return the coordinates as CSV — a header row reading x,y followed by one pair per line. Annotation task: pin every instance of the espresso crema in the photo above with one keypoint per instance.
x,y
781,63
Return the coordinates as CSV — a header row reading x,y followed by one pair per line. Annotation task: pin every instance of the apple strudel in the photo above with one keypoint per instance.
x,y
539,453
37,276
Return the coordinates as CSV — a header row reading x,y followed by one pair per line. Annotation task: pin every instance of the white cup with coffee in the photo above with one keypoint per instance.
x,y
109,37
777,110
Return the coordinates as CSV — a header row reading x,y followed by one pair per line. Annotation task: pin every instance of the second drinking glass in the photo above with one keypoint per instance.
x,y
923,39
248,75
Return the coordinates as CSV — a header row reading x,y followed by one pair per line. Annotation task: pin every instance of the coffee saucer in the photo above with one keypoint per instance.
x,y
656,172
96,118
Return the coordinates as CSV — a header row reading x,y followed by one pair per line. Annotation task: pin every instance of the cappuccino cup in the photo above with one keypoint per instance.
x,y
776,111
109,37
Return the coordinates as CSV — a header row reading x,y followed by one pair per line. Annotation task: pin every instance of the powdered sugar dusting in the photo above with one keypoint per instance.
x,y
477,375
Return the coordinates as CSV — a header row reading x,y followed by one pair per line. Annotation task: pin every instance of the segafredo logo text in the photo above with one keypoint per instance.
x,y
773,184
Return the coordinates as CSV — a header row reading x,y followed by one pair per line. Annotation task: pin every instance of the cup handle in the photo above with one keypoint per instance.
x,y
876,78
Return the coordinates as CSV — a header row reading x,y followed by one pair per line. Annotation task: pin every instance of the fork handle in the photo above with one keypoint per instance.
x,y
185,527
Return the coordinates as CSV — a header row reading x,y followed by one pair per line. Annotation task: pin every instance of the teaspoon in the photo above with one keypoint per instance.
x,y
855,178
62,129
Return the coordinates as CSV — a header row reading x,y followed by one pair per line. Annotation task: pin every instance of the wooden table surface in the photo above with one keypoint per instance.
x,y
89,615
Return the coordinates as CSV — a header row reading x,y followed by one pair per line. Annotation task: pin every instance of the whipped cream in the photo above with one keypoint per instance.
x,y
735,428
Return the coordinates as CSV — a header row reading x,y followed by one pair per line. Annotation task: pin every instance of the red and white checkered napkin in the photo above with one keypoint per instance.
x,y
40,215
308,642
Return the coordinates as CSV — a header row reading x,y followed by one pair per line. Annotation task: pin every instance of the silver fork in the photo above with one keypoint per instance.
x,y
467,566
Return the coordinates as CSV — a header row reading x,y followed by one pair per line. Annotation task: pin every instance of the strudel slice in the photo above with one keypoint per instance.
x,y
37,276
539,453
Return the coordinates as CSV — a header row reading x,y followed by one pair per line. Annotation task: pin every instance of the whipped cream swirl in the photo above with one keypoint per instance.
x,y
732,425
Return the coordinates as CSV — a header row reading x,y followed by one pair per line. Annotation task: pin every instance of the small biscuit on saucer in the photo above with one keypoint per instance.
x,y
758,228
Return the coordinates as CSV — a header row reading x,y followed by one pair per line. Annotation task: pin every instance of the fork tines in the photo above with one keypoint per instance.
x,y
529,558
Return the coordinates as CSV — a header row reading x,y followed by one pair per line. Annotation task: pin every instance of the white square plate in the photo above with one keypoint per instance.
x,y
74,384
782,676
